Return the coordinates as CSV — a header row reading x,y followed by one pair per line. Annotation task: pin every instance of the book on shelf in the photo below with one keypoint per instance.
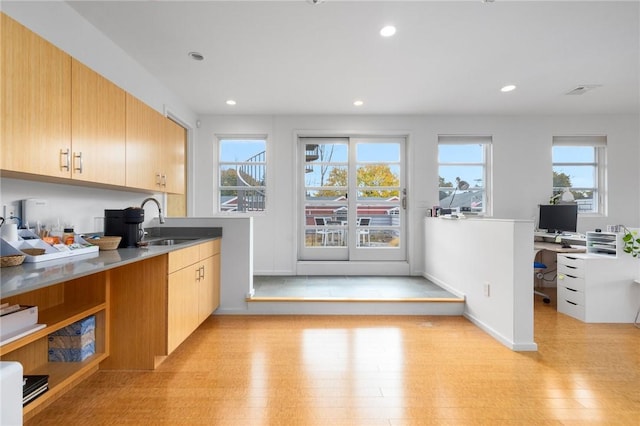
x,y
33,386
6,309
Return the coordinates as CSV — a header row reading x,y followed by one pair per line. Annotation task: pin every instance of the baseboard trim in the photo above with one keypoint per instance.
x,y
514,346
357,300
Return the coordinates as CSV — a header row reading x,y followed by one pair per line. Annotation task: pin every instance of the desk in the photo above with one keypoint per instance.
x,y
557,248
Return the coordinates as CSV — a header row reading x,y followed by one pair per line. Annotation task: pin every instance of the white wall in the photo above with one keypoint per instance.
x,y
74,205
522,176
521,155
465,255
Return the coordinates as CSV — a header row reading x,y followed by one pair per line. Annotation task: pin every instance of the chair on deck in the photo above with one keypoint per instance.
x,y
325,232
362,224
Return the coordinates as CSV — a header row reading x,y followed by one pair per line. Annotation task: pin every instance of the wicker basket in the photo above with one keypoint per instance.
x,y
106,242
14,260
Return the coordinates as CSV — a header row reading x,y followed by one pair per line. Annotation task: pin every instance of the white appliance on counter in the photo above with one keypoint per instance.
x,y
11,391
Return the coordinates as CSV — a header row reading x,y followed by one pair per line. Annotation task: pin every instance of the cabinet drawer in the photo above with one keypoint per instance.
x,y
570,281
568,260
182,258
209,248
571,270
571,309
571,295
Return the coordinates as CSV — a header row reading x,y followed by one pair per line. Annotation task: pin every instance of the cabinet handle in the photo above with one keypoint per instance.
x,y
163,180
198,274
64,165
79,157
158,179
202,272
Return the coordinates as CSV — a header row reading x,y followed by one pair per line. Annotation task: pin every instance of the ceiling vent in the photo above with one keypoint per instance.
x,y
582,89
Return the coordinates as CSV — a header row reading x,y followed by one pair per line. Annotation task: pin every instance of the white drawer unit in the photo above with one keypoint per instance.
x,y
596,288
571,265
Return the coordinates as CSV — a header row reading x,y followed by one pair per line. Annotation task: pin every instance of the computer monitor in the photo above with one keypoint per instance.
x,y
558,218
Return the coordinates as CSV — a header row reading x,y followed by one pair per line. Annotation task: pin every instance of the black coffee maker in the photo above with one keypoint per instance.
x,y
126,223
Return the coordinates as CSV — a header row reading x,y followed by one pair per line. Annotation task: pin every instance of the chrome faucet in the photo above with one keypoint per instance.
x,y
160,216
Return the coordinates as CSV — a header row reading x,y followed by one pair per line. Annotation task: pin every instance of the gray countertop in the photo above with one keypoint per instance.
x,y
27,277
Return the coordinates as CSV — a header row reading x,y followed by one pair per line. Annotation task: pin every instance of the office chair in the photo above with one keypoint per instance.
x,y
538,270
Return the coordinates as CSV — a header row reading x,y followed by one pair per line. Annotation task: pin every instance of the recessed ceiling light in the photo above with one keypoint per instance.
x,y
231,102
196,56
388,31
508,88
358,102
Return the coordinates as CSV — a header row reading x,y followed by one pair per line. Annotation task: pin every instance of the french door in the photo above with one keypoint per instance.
x,y
352,199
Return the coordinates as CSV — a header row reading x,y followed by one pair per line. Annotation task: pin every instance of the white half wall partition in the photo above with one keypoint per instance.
x,y
490,263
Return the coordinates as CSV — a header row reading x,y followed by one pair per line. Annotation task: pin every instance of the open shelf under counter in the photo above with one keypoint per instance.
x,y
55,318
61,375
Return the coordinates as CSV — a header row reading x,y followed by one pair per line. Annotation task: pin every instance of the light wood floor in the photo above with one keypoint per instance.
x,y
354,370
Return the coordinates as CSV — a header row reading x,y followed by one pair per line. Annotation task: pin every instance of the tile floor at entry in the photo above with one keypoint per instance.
x,y
353,287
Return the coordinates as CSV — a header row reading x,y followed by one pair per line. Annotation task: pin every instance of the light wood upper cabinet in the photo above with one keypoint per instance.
x,y
35,129
174,157
145,129
61,119
155,149
97,127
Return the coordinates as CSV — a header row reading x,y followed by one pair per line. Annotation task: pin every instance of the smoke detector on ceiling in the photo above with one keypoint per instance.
x,y
315,2
582,89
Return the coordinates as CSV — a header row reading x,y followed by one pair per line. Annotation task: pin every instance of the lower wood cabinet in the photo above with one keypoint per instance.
x,y
157,303
193,290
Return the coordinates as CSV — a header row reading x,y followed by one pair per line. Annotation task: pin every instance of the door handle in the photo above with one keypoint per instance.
x,y
64,165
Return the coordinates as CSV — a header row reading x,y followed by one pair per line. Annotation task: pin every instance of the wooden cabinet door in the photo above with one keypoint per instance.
x,y
145,129
173,169
35,78
209,287
182,306
98,127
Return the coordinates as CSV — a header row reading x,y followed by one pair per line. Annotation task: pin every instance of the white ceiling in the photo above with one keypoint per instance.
x,y
447,57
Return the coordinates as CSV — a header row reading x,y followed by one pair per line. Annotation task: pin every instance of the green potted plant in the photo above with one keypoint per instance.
x,y
631,242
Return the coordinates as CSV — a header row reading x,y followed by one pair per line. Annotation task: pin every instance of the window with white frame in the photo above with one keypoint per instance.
x,y
242,164
579,168
463,172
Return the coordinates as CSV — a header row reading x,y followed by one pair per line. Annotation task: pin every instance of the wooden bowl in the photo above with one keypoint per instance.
x,y
106,242
14,260
33,251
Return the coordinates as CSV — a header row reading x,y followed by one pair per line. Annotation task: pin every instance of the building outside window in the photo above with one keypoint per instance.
x,y
242,175
579,167
463,172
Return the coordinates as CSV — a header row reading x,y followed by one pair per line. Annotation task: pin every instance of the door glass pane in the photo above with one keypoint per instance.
x,y
326,184
378,196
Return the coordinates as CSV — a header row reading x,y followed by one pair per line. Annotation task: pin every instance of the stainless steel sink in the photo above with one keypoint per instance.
x,y
170,241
